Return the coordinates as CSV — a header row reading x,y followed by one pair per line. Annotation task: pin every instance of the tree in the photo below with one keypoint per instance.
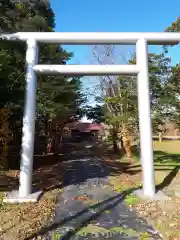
x,y
97,113
25,16
172,89
117,94
159,73
56,96
52,90
120,96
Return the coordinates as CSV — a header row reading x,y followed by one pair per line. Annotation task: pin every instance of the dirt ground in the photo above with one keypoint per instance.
x,y
19,221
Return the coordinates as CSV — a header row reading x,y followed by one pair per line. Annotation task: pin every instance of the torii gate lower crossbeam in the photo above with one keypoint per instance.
x,y
140,69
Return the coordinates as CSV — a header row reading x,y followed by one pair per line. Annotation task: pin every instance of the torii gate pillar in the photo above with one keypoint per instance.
x,y
145,125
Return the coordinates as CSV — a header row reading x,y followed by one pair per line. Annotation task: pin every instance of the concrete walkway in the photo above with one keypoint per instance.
x,y
88,208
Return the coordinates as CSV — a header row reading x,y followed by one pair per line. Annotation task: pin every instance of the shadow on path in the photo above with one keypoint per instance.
x,y
105,211
78,170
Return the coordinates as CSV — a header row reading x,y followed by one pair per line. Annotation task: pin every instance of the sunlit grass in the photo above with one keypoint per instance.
x,y
167,146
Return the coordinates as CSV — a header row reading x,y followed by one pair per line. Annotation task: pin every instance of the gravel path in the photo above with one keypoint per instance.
x,y
88,208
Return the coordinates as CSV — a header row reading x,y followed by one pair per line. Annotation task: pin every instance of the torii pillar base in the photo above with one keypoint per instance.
x,y
13,197
158,196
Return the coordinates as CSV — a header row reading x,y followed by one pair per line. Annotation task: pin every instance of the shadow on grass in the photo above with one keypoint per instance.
x,y
159,156
162,157
102,206
168,179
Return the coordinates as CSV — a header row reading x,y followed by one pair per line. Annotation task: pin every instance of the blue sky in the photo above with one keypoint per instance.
x,y
114,16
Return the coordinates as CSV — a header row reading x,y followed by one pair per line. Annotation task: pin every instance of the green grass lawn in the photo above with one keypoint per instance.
x,y
165,153
167,146
166,158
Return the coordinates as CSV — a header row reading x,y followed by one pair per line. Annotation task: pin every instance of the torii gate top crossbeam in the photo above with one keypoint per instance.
x,y
152,38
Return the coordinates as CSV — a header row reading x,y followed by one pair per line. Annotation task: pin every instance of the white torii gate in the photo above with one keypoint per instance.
x,y
140,69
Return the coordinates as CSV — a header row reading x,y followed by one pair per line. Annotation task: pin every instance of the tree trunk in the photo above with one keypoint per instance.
x,y
160,137
126,142
117,146
60,137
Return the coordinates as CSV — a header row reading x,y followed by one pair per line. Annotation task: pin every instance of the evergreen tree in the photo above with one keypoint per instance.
x,y
55,94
